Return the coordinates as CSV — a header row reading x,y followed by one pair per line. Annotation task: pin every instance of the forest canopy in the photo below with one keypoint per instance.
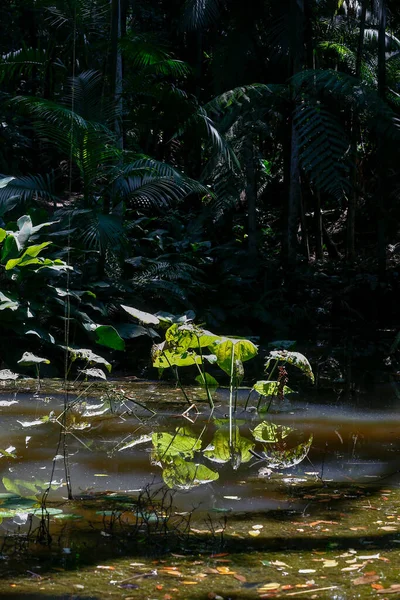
x,y
235,160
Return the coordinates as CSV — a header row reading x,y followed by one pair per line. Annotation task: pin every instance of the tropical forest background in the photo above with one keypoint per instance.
x,y
237,162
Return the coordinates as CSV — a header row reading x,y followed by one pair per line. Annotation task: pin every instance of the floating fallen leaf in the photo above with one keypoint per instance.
x,y
189,582
254,533
105,567
304,571
394,589
365,579
241,578
355,567
377,586
330,563
267,587
388,528
225,571
257,526
332,587
279,563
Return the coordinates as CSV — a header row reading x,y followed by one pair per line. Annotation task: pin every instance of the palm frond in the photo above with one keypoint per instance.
x,y
199,14
85,95
26,188
146,182
348,90
21,61
99,231
322,148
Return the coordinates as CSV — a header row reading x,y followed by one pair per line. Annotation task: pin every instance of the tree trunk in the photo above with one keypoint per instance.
x,y
116,62
381,237
251,196
294,192
319,253
353,198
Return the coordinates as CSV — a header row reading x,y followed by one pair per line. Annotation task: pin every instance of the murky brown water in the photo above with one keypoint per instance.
x,y
306,472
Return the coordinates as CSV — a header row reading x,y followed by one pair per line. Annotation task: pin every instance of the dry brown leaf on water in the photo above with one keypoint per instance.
x,y
377,586
388,528
394,589
241,578
365,579
105,567
211,571
254,533
219,555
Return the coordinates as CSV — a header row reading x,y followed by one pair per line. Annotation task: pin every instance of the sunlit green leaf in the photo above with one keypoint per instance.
x,y
141,316
108,336
276,458
292,358
167,445
185,475
207,380
270,388
28,359
271,432
220,451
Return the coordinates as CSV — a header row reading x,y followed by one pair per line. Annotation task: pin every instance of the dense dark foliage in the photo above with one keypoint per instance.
x,y
232,159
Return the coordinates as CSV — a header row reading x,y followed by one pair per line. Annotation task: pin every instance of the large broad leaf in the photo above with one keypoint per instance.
x,y
167,445
270,388
271,433
162,358
3,235
185,475
190,336
28,359
10,248
108,336
241,349
41,333
276,458
29,257
166,317
220,451
129,331
207,380
90,357
96,373
25,230
143,317
7,375
292,358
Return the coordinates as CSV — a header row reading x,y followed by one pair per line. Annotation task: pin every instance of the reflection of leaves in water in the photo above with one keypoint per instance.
x,y
27,489
219,449
276,458
271,432
167,445
185,475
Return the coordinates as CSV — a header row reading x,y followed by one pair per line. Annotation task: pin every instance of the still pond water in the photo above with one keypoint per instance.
x,y
301,502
